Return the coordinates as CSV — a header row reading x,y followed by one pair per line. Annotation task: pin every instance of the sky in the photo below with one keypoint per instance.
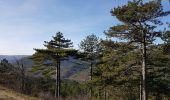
x,y
26,24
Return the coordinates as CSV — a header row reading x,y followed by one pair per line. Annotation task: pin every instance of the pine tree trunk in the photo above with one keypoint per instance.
x,y
91,73
59,80
105,91
56,89
91,68
105,94
140,87
57,94
144,67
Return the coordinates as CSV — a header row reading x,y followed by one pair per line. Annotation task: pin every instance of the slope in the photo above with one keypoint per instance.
x,y
7,94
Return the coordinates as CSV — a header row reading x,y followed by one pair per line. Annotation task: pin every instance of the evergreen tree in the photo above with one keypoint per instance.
x,y
5,66
139,22
118,68
158,67
166,39
56,50
91,48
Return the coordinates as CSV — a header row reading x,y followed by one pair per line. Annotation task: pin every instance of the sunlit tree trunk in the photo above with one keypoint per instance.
x,y
56,87
57,90
144,67
140,87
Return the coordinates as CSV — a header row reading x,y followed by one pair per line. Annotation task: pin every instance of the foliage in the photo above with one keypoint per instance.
x,y
56,50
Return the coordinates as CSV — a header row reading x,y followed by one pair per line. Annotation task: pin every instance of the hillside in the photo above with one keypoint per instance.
x,y
7,94
12,58
73,69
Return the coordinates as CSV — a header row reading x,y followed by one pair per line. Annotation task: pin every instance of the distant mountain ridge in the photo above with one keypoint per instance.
x,y
72,68
13,58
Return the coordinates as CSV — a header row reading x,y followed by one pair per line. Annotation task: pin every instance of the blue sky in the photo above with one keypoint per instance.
x,y
26,24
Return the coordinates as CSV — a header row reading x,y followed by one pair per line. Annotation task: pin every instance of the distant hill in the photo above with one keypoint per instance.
x,y
73,69
12,58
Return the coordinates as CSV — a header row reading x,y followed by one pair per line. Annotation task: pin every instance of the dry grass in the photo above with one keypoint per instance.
x,y
7,94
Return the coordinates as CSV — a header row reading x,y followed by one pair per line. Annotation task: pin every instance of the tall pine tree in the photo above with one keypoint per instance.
x,y
139,22
91,48
47,59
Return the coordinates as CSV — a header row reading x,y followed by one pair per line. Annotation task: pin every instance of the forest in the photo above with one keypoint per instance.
x,y
131,61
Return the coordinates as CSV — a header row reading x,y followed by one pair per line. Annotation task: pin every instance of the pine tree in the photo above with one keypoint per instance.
x,y
139,21
158,76
91,49
166,39
56,50
118,68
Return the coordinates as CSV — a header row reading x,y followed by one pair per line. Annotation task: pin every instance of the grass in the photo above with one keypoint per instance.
x,y
7,94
